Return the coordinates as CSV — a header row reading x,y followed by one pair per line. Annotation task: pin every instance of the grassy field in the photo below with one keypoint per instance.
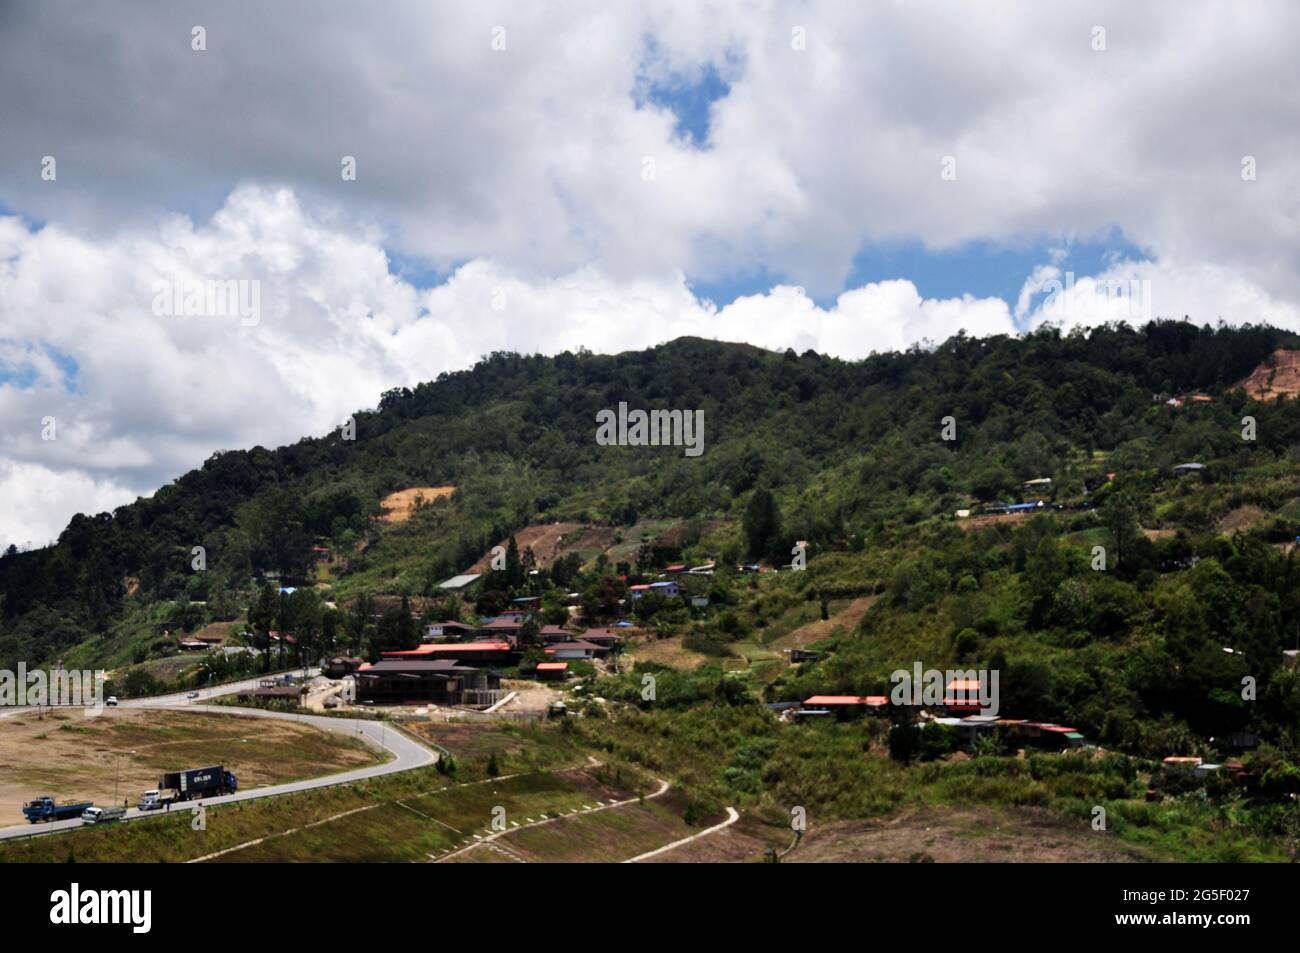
x,y
607,836
426,825
126,749
403,817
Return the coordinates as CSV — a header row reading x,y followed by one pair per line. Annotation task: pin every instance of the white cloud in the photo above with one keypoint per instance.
x,y
519,173
153,396
532,155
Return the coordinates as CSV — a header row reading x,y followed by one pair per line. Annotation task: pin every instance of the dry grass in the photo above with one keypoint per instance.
x,y
846,619
962,835
400,506
71,756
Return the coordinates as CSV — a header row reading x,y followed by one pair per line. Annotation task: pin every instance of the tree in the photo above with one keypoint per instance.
x,y
762,523
261,620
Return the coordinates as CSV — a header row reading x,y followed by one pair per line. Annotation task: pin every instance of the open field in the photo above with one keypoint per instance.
x,y
528,747
962,835
69,755
397,817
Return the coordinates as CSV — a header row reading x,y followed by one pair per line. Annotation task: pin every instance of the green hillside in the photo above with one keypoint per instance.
x,y
853,459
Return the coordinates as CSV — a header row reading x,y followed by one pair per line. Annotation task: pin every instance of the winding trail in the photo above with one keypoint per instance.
x,y
732,816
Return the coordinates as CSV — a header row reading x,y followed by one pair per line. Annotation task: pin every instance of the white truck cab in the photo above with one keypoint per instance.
x,y
98,815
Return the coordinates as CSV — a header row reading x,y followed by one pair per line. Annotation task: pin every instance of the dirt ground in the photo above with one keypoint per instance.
x,y
847,619
668,652
986,520
548,541
532,696
398,507
1242,518
942,835
71,756
1278,374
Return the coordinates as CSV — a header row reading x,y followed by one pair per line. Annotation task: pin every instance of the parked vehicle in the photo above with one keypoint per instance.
x,y
111,701
47,809
154,800
199,782
101,815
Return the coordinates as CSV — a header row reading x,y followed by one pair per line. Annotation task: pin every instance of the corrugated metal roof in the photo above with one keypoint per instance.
x,y
461,581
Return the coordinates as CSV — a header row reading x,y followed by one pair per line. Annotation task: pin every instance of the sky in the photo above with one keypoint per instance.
x,y
839,175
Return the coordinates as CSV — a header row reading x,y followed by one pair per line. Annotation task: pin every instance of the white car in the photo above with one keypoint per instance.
x,y
111,701
192,695
98,815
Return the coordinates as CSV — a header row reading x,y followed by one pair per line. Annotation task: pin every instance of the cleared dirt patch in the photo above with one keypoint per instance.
x,y
1241,519
69,755
1278,374
400,506
986,520
847,619
548,541
942,835
668,652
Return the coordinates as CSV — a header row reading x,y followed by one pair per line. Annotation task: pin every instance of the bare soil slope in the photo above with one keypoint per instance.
x,y
1278,374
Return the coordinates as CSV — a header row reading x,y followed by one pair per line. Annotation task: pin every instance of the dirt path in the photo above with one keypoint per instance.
x,y
487,841
847,618
732,816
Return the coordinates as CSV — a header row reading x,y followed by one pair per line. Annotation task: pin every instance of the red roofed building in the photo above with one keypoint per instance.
x,y
963,696
552,670
846,705
491,653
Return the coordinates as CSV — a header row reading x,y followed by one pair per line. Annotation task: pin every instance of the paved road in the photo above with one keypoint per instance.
x,y
407,753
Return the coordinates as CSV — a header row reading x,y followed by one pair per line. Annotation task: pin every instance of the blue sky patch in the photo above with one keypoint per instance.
x,y
982,269
688,96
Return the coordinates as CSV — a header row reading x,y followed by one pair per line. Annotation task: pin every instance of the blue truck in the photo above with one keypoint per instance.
x,y
199,782
47,809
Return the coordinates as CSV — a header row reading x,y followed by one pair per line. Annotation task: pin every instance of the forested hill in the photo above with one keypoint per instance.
x,y
848,449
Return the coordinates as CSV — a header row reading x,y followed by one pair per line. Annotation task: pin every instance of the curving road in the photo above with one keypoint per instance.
x,y
407,753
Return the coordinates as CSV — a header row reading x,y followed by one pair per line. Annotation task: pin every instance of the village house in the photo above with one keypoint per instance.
x,y
845,706
452,631
409,681
576,650
553,671
604,637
